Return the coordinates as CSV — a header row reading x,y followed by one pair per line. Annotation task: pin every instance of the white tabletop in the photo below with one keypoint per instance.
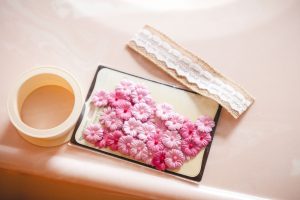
x,y
255,43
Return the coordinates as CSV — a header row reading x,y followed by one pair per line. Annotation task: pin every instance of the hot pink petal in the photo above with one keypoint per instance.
x,y
174,159
188,129
203,139
190,147
171,139
93,133
113,139
158,160
124,144
205,124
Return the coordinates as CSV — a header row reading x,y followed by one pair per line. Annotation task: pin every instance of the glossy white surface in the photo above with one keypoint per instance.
x,y
255,43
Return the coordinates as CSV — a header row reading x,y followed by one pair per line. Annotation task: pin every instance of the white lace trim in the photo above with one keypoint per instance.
x,y
192,71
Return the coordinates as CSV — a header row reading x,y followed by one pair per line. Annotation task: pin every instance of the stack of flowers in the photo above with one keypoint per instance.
x,y
134,125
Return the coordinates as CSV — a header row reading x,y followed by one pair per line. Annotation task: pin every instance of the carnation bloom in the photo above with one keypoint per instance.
x,y
171,139
113,139
93,133
123,109
141,111
174,159
205,124
188,129
100,98
124,144
146,131
138,150
190,147
164,111
132,127
175,122
154,143
158,160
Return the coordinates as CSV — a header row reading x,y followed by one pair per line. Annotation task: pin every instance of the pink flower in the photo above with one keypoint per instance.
x,y
141,111
202,139
146,131
140,86
174,159
150,102
148,159
124,144
102,143
158,160
105,115
138,150
188,129
140,95
115,96
171,139
123,109
113,139
175,122
160,124
93,133
190,147
132,126
164,111
154,143
205,124
112,122
100,98
126,86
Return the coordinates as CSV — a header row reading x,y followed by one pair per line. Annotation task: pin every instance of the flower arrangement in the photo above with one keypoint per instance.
x,y
134,125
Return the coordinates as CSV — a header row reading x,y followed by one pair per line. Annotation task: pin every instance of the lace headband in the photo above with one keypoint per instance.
x,y
190,70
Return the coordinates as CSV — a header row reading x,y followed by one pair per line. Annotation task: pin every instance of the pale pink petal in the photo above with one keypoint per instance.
x,y
138,149
93,133
132,127
141,111
100,98
124,144
205,124
175,122
171,139
174,159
